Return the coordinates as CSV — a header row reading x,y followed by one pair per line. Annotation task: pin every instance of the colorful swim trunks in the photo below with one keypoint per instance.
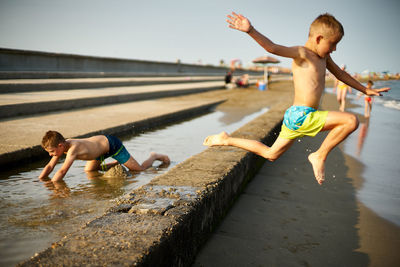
x,y
116,150
299,121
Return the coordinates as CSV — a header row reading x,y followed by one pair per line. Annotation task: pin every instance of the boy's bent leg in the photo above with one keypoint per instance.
x,y
153,157
92,165
341,125
270,153
133,165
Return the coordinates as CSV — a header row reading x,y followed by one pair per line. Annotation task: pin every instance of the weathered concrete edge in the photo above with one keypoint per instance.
x,y
184,226
72,85
34,153
192,229
9,111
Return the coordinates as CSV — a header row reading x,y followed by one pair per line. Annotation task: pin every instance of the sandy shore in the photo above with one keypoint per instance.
x,y
283,218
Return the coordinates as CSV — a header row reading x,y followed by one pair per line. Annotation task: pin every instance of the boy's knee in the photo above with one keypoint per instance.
x,y
272,157
353,122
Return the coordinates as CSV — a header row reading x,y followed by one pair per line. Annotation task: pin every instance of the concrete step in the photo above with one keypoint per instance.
x,y
31,85
20,137
30,103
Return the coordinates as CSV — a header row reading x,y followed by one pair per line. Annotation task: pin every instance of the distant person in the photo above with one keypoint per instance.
x,y
228,77
368,101
229,80
342,90
243,81
309,67
94,150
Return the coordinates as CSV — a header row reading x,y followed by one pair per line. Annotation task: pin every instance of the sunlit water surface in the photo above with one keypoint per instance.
x,y
376,144
34,214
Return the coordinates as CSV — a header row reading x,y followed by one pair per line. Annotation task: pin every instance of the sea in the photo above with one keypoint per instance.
x,y
376,144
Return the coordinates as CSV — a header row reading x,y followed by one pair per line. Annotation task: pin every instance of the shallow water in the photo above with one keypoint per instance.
x,y
376,144
34,214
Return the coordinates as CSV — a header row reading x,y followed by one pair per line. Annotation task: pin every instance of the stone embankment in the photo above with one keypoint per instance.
x,y
165,222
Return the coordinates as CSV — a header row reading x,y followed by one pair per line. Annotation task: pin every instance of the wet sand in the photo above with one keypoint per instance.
x,y
284,218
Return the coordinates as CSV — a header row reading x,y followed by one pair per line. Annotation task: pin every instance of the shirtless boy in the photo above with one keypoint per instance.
x,y
309,66
94,149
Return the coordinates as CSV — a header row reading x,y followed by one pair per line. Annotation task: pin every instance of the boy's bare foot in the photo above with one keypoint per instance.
x,y
318,167
216,140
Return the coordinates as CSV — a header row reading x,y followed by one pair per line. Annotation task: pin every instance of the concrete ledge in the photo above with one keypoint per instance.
x,y
5,75
31,108
29,154
14,60
165,222
34,85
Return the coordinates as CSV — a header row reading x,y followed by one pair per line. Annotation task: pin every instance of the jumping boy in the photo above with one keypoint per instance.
x,y
303,118
93,149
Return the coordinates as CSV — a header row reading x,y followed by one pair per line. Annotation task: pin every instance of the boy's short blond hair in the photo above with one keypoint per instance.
x,y
326,24
52,139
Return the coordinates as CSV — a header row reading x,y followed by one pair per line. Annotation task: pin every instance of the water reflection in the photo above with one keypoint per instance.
x,y
34,213
363,131
59,189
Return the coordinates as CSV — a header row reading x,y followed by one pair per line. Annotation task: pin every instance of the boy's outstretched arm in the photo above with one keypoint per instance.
x,y
350,81
59,175
49,167
241,23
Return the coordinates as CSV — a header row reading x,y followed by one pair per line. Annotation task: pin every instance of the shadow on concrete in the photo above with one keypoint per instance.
x,y
284,218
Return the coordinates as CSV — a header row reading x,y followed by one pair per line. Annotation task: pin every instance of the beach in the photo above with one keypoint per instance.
x,y
291,220
284,218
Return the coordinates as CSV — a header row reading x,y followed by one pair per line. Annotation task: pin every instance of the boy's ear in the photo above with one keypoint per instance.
x,y
318,38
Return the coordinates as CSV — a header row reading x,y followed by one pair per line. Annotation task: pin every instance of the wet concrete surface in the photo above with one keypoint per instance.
x,y
21,137
165,222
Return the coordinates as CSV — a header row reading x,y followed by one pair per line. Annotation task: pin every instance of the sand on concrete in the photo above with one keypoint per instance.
x,y
116,171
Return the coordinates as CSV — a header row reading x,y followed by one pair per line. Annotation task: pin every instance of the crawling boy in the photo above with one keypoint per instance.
x,y
303,118
93,149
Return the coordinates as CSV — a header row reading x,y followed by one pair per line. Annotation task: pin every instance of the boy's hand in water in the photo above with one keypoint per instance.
x,y
239,22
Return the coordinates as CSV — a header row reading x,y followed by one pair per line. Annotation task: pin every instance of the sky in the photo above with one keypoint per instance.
x,y
197,31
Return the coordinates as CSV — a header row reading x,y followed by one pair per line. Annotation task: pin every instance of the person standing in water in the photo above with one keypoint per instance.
x,y
342,90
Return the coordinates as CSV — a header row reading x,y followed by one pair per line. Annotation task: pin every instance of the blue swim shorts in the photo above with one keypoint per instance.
x,y
301,120
116,150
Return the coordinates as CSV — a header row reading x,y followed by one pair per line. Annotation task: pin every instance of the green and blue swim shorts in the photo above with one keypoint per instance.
x,y
299,121
116,150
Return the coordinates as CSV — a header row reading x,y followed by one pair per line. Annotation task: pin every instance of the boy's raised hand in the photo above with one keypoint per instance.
x,y
377,92
238,22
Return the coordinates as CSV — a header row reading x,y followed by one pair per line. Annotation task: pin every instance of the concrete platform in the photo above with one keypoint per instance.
x,y
165,222
28,103
21,137
40,84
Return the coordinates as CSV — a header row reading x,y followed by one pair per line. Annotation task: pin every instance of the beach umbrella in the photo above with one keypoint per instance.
x,y
265,60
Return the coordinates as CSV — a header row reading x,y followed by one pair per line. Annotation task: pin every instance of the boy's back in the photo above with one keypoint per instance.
x,y
88,148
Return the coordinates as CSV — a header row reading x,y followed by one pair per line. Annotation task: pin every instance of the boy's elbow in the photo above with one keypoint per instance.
x,y
273,49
